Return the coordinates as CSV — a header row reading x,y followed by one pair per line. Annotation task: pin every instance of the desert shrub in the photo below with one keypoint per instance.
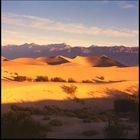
x,y
100,77
69,89
57,79
55,122
19,108
52,110
87,81
114,130
29,79
98,81
37,111
19,78
125,105
90,133
16,73
20,125
71,80
41,79
30,110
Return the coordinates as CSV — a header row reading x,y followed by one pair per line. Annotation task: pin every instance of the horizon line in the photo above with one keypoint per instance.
x,y
69,45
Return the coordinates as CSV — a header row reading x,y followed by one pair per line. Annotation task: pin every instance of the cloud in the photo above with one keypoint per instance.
x,y
126,5
21,37
75,28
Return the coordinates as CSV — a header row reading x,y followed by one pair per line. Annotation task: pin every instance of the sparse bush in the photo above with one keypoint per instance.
x,y
98,81
51,110
125,105
90,133
100,77
57,79
19,78
114,130
55,122
30,110
16,73
20,125
42,79
19,108
69,89
29,79
87,81
71,80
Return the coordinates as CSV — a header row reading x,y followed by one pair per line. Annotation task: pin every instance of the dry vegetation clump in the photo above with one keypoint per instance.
x,y
19,125
57,79
30,110
41,79
29,79
87,81
100,77
16,73
71,80
128,106
125,105
115,130
51,110
69,89
19,78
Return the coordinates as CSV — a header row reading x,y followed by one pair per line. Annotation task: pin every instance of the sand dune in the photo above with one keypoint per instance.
x,y
96,61
31,61
79,68
54,60
3,58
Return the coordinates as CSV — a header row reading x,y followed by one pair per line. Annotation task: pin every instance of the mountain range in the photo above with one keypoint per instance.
x,y
125,55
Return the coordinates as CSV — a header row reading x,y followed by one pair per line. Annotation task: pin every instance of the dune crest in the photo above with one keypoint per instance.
x,y
31,61
4,58
96,61
54,60
92,61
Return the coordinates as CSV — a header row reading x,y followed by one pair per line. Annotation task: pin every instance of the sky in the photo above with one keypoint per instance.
x,y
77,23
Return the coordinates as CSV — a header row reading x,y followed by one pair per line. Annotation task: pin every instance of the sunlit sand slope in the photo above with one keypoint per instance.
x,y
66,71
33,91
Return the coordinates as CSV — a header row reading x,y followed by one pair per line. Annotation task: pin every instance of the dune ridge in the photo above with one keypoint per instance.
x,y
94,61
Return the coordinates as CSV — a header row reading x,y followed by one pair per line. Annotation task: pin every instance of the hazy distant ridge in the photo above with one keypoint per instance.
x,y
123,54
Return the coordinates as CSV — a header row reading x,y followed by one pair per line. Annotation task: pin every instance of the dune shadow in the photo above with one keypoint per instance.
x,y
95,104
